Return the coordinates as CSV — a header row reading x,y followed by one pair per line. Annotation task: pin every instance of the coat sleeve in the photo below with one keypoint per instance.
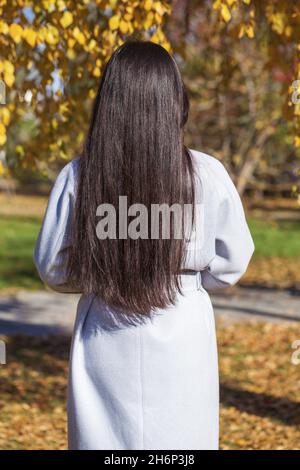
x,y
54,236
233,242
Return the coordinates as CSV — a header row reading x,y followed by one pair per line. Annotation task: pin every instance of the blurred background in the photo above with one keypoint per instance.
x,y
240,62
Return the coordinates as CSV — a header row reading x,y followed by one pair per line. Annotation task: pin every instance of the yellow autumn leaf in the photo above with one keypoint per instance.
x,y
278,22
112,3
96,72
288,31
5,116
123,26
79,36
66,19
2,170
166,45
63,154
51,35
71,42
92,45
148,5
20,150
250,31
30,36
92,94
8,66
158,7
80,136
225,12
16,32
241,31
216,5
4,29
158,36
2,134
113,22
297,141
9,79
9,73
129,9
63,108
71,54
61,5
127,17
149,20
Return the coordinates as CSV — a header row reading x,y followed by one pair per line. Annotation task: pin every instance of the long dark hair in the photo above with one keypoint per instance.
x,y
134,147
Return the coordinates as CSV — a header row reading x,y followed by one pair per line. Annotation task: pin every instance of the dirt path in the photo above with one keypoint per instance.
x,y
44,312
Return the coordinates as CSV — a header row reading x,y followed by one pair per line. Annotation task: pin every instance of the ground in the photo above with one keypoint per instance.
x,y
260,407
260,402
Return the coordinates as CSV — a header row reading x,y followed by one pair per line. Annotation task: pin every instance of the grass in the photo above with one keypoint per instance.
x,y
278,242
260,406
276,239
18,236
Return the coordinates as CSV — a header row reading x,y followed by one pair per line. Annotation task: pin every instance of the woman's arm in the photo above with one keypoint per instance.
x,y
54,237
233,242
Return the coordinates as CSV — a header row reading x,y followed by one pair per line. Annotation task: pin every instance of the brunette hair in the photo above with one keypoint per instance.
x,y
134,147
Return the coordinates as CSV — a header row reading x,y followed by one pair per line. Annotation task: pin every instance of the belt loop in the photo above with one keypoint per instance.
x,y
198,280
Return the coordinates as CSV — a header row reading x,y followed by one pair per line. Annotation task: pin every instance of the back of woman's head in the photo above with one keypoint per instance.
x,y
134,149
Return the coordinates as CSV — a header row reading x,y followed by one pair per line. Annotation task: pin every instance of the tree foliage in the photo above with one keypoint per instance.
x,y
281,31
52,55
240,89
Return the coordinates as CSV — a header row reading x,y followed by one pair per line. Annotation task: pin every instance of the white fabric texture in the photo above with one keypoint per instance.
x,y
153,385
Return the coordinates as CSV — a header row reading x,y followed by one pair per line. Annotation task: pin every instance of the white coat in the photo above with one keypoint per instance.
x,y
153,385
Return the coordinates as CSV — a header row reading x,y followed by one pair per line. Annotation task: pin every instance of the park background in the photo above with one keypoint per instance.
x,y
240,62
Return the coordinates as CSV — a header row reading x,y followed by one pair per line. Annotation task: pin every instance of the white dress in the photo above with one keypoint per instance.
x,y
153,385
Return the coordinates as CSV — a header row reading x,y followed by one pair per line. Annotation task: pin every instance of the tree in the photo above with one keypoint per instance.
x,y
239,83
281,22
52,55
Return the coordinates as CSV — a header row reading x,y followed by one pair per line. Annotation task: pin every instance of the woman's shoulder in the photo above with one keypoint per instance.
x,y
201,159
71,167
212,173
67,177
69,171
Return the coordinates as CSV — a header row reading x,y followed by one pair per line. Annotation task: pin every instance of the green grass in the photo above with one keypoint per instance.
x,y
18,235
280,239
17,238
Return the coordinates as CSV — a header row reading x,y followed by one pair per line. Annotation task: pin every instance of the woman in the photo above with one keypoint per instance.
x,y
143,367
